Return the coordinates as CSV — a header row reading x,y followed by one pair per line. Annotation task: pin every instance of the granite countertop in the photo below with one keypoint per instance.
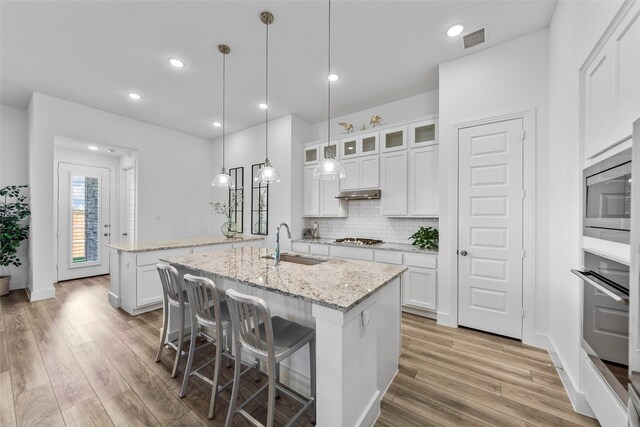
x,y
179,243
338,283
399,247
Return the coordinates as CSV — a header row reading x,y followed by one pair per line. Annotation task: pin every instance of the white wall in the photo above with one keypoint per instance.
x,y
574,31
402,109
14,171
174,177
506,78
245,148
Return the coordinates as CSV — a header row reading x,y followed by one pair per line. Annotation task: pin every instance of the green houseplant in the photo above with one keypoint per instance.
x,y
426,238
13,230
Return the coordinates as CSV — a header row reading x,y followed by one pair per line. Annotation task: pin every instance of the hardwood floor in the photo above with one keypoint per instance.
x,y
76,361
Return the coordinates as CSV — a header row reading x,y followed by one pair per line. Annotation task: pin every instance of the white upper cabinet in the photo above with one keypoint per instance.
x,y
319,196
311,155
394,139
612,84
359,145
423,133
329,151
626,52
394,183
349,148
423,182
362,173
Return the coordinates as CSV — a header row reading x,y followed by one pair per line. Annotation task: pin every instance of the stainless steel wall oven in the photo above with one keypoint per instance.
x,y
607,195
605,319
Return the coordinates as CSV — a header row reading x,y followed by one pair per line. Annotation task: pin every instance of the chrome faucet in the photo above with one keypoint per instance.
x,y
276,255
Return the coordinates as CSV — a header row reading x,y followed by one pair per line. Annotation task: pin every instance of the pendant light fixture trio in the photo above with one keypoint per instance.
x,y
266,174
329,167
223,179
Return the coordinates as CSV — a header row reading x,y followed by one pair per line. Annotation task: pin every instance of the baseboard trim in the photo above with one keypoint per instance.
x,y
444,319
371,413
578,400
114,300
418,312
542,341
40,294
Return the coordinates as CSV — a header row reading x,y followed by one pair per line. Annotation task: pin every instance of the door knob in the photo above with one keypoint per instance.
x,y
125,234
463,253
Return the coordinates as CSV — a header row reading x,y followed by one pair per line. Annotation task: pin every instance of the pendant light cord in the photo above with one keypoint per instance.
x,y
329,81
266,96
224,85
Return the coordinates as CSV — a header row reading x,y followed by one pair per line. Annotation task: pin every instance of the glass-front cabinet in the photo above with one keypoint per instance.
x,y
394,139
422,134
349,147
360,145
329,151
311,155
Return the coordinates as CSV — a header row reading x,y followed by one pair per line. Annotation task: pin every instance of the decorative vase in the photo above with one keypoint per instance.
x,y
4,285
229,228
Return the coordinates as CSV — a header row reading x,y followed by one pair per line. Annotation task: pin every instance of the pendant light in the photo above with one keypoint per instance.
x,y
266,174
223,179
329,167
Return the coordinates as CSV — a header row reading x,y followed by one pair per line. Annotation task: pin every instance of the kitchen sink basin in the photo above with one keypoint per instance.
x,y
297,259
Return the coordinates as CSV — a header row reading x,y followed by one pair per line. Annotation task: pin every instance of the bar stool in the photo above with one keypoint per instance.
x,y
208,312
271,339
172,295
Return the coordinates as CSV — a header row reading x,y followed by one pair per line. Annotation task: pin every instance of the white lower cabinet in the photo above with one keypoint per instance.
x,y
419,288
419,282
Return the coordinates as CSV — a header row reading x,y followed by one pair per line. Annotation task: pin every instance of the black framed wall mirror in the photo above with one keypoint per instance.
x,y
259,204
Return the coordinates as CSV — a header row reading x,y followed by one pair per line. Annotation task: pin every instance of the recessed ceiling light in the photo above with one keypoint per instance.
x,y
93,148
333,77
135,96
217,124
176,62
263,106
455,30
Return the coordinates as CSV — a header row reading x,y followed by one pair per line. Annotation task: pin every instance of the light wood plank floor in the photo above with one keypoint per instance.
x,y
76,361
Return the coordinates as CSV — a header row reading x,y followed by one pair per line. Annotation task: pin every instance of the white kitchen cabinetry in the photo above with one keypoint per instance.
x,y
361,173
423,181
394,139
423,133
394,182
611,84
359,145
311,155
319,196
419,282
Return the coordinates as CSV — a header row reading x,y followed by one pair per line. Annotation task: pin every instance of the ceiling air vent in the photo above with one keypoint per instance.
x,y
473,39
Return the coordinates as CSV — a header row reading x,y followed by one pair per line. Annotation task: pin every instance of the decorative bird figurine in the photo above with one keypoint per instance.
x,y
375,120
347,126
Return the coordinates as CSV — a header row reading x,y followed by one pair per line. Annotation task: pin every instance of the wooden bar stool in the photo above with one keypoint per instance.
x,y
271,339
172,296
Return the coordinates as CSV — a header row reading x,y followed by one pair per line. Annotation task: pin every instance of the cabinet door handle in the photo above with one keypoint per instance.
x,y
107,234
463,253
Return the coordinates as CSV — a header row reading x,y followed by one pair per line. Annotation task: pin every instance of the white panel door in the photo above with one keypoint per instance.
x,y
490,227
310,193
129,206
394,183
83,221
423,181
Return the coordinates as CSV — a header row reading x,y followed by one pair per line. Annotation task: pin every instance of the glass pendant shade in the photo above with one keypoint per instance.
x,y
222,180
266,174
329,169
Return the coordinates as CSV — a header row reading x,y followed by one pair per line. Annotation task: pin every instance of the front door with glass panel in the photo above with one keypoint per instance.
x,y
83,221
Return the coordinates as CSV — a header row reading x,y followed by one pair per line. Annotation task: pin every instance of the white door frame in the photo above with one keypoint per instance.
x,y
122,194
528,116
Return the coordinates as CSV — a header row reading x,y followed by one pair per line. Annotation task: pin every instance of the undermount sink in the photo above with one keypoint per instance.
x,y
297,259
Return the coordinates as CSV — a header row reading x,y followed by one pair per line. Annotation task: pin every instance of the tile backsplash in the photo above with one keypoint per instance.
x,y
365,220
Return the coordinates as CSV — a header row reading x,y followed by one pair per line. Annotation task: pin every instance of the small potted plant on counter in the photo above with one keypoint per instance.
x,y
13,230
426,238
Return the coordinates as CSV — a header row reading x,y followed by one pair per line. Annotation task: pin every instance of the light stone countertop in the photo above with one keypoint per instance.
x,y
399,247
338,283
179,243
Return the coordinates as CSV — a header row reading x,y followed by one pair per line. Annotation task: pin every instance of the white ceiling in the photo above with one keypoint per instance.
x,y
95,52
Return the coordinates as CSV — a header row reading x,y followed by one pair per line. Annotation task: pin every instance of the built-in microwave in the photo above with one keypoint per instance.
x,y
607,198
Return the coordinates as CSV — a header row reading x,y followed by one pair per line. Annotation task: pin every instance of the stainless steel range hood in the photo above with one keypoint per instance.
x,y
359,195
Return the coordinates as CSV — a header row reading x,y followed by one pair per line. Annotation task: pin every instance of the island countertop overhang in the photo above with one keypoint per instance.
x,y
338,283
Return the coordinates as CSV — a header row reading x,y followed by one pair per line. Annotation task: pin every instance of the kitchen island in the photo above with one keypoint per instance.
x,y
135,284
354,307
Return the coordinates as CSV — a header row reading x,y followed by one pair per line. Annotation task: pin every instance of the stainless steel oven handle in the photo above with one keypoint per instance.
x,y
601,288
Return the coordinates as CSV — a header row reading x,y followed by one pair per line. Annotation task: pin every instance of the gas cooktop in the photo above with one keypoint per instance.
x,y
359,242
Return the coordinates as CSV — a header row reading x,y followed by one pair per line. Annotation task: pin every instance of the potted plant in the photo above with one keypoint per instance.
x,y
229,227
13,230
426,238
